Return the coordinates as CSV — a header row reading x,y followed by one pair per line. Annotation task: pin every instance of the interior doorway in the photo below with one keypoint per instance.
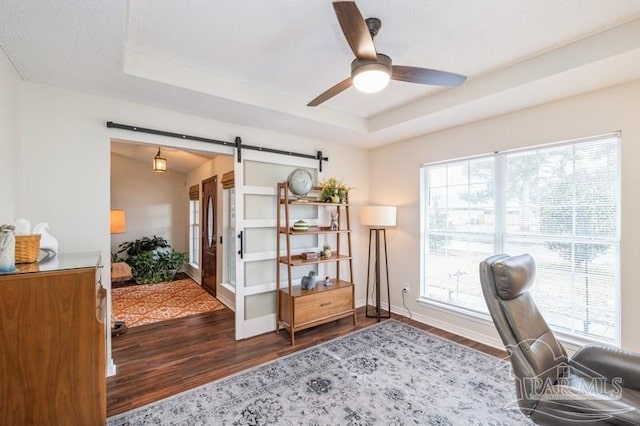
x,y
183,206
209,240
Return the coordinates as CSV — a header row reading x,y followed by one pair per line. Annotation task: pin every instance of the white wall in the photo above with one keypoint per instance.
x,y
10,87
154,203
395,180
66,147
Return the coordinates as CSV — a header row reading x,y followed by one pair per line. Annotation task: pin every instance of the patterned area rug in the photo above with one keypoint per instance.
x,y
387,374
148,303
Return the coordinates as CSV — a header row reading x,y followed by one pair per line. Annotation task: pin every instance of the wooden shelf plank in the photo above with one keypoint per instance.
x,y
297,260
310,202
313,230
297,291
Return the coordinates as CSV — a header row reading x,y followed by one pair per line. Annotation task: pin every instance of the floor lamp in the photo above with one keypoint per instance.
x,y
377,218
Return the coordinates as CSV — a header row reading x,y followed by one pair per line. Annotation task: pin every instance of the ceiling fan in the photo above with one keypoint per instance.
x,y
371,71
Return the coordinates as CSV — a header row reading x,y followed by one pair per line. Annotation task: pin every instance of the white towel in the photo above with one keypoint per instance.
x,y
48,243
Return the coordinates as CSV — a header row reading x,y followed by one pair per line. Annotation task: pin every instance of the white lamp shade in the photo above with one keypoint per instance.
x,y
378,216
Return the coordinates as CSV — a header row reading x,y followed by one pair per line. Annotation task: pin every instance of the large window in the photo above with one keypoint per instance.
x,y
194,232
558,203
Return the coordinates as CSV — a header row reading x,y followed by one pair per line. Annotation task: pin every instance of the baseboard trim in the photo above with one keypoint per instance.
x,y
443,325
451,328
494,342
223,295
193,275
111,368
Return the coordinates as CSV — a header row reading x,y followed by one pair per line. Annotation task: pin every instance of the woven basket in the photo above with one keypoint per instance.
x,y
27,248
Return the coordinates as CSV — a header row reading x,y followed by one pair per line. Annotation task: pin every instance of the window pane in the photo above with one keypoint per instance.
x,y
438,176
481,170
452,269
460,223
575,285
438,198
458,173
563,210
194,232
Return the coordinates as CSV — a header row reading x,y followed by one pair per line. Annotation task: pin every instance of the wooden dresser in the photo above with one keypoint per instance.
x,y
52,343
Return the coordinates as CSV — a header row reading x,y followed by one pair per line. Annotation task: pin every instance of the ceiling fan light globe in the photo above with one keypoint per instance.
x,y
371,80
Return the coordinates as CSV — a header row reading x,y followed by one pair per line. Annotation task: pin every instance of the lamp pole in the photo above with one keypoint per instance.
x,y
375,237
377,232
378,217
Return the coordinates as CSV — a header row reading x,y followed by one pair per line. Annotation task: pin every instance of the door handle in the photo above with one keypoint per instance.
x,y
241,251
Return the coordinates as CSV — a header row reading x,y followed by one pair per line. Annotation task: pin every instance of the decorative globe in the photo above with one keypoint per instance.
x,y
300,182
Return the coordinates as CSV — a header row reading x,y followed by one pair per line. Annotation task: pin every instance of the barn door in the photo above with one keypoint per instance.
x,y
255,201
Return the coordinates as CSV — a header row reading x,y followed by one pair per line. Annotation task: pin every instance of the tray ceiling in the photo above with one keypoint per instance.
x,y
258,63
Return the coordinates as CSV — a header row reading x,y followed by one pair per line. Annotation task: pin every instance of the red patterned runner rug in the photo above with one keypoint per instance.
x,y
149,303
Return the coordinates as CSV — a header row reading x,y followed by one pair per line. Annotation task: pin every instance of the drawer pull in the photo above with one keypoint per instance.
x,y
325,304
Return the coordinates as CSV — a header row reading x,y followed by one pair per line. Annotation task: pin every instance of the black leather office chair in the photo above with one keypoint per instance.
x,y
599,385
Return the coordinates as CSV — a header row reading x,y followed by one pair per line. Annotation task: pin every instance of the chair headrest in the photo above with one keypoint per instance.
x,y
514,276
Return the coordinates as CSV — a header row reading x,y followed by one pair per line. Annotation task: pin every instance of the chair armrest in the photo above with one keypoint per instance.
x,y
571,406
611,362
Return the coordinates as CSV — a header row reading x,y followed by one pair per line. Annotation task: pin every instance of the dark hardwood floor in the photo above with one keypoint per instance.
x,y
158,360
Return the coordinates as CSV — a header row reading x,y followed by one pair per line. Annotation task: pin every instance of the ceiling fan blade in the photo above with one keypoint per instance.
x,y
426,76
355,29
328,94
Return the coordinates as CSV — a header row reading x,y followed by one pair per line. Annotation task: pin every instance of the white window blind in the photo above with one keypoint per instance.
x,y
194,232
558,203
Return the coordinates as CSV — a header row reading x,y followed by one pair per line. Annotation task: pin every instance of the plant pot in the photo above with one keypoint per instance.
x,y
335,199
170,274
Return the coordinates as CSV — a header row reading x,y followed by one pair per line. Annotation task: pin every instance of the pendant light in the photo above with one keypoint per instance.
x,y
159,163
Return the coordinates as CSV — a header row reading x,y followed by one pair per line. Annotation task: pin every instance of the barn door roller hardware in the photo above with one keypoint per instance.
x,y
237,144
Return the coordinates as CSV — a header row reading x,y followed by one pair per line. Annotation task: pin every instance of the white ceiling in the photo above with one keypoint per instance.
x,y
259,62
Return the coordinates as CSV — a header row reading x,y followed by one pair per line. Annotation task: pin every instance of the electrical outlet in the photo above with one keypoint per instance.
x,y
406,288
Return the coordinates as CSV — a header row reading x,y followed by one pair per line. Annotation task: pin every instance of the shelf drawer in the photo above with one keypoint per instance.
x,y
314,307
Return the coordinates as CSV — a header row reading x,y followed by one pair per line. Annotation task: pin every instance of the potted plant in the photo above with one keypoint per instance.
x,y
152,260
333,191
132,248
171,262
